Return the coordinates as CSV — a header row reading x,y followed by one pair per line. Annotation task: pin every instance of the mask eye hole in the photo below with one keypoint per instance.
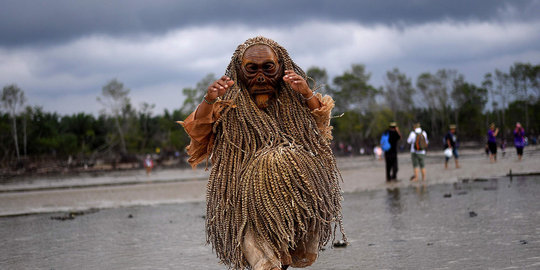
x,y
268,66
251,68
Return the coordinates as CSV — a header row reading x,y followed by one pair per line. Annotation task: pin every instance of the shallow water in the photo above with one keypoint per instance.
x,y
487,224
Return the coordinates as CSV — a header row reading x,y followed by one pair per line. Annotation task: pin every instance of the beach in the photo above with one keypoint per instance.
x,y
474,217
134,187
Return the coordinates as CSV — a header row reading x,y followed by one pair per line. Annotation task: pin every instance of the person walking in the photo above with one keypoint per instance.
x,y
273,194
419,141
392,135
492,142
519,140
451,143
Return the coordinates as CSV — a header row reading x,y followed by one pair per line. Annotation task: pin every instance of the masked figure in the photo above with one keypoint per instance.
x,y
273,196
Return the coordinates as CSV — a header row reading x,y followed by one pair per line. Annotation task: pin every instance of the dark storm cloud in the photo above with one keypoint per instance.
x,y
28,22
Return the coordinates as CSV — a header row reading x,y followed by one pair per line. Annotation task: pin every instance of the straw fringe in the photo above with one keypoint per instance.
x,y
273,173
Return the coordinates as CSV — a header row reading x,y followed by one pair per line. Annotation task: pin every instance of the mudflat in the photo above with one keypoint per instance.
x,y
474,217
121,189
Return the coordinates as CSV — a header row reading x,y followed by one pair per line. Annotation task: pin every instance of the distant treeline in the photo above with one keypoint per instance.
x,y
362,113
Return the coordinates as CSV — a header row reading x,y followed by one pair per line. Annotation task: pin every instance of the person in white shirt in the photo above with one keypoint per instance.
x,y
419,141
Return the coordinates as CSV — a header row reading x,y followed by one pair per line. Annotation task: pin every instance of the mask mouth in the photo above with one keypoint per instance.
x,y
261,90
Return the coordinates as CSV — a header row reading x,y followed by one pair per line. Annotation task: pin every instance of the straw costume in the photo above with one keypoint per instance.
x,y
274,183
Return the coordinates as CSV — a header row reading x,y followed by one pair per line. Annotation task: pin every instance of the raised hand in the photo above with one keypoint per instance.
x,y
297,83
218,88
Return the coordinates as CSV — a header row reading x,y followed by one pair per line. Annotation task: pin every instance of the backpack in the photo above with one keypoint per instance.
x,y
420,142
385,142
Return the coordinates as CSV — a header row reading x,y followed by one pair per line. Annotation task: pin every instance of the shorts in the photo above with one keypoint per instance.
x,y
492,147
454,154
417,160
519,151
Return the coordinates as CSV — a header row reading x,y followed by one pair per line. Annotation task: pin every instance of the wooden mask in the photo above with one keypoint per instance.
x,y
260,73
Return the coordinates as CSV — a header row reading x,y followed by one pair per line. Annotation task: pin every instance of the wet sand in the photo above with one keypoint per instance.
x,y
482,224
186,185
467,218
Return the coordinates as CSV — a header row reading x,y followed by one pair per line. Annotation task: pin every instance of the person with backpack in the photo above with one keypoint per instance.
x,y
389,141
419,141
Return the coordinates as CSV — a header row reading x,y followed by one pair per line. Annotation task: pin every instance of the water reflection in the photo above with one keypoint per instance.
x,y
393,201
389,229
421,190
394,207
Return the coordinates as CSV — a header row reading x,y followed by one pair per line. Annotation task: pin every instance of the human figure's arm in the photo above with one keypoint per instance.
x,y
320,106
411,138
298,84
198,125
496,132
215,90
322,115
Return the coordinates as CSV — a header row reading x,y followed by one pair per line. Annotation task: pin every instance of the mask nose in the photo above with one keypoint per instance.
x,y
260,79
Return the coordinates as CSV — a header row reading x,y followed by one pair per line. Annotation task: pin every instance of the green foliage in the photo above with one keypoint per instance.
x,y
81,125
12,100
399,95
515,114
115,101
190,101
179,139
193,96
380,122
435,100
349,127
470,101
318,79
352,91
435,90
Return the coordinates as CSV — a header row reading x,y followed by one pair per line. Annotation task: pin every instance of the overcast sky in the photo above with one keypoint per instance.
x,y
62,52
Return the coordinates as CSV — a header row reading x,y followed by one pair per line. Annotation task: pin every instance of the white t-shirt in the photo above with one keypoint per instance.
x,y
412,139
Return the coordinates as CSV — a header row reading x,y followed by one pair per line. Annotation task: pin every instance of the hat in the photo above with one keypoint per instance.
x,y
452,126
392,124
